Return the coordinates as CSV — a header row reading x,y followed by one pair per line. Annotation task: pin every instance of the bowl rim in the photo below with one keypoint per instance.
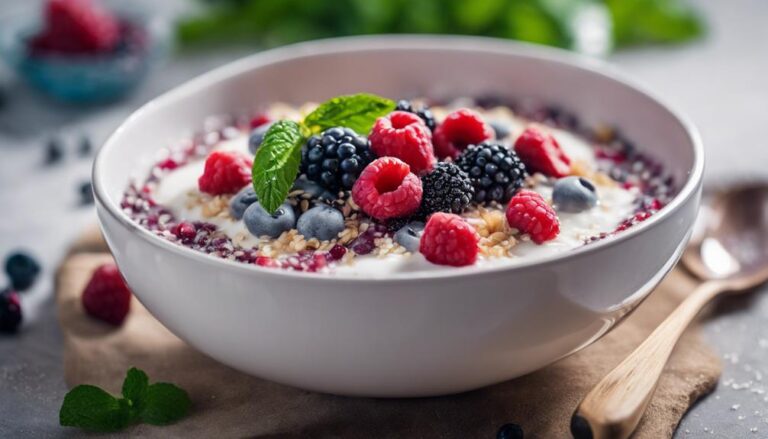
x,y
400,42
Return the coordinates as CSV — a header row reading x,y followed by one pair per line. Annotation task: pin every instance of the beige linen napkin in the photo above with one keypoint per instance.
x,y
227,403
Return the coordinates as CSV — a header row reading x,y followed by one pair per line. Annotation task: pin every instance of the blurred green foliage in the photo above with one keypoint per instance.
x,y
551,22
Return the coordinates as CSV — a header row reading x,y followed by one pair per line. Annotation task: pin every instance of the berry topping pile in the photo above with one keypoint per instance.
x,y
363,175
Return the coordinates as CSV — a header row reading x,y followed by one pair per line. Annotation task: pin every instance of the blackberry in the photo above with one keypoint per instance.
x,y
446,189
496,171
335,158
424,113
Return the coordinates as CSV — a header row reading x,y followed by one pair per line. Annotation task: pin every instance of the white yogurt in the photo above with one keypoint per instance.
x,y
615,204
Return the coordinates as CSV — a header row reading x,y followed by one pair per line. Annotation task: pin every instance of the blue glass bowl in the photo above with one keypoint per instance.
x,y
84,78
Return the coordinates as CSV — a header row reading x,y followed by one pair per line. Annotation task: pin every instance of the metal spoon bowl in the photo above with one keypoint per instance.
x,y
729,252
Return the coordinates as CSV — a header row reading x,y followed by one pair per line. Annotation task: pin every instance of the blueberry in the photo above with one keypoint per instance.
x,y
510,431
257,136
54,151
10,311
500,128
409,236
86,193
241,201
313,189
574,194
322,222
262,223
22,269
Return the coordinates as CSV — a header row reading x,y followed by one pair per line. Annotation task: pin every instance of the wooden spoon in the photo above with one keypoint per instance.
x,y
729,251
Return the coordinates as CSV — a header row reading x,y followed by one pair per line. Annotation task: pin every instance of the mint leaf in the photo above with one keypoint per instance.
x,y
277,163
134,389
91,408
164,403
358,112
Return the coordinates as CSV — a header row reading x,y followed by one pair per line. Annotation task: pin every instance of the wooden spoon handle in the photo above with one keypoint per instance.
x,y
613,408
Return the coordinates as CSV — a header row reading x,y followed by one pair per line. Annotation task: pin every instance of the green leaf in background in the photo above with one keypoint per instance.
x,y
277,163
358,112
164,404
653,21
90,408
552,22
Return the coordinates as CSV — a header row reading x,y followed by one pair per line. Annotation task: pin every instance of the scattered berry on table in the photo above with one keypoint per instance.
x,y
335,158
107,297
574,194
54,151
257,136
448,240
540,152
529,213
312,189
322,222
387,189
262,223
226,172
22,270
495,170
458,130
500,129
241,201
86,193
10,311
404,135
510,431
77,26
86,147
260,119
409,235
446,189
423,112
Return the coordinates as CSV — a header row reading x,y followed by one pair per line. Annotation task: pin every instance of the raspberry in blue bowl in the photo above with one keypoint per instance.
x,y
80,52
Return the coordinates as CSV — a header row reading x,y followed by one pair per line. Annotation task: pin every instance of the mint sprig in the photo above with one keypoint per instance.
x,y
91,408
278,158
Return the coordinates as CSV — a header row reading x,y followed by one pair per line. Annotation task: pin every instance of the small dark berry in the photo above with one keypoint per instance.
x,y
423,112
501,129
510,431
580,428
86,147
446,189
10,311
86,193
22,269
54,151
495,170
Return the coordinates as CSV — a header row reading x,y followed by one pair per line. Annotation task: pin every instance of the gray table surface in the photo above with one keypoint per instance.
x,y
720,82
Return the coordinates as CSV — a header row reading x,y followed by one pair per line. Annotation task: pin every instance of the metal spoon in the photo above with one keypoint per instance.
x,y
729,251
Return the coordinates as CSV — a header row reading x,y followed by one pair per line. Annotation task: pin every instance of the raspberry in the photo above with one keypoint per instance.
x,y
226,172
541,153
404,135
259,120
387,189
460,129
77,26
448,240
529,213
107,297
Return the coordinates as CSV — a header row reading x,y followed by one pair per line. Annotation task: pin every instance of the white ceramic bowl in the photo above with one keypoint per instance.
x,y
425,333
